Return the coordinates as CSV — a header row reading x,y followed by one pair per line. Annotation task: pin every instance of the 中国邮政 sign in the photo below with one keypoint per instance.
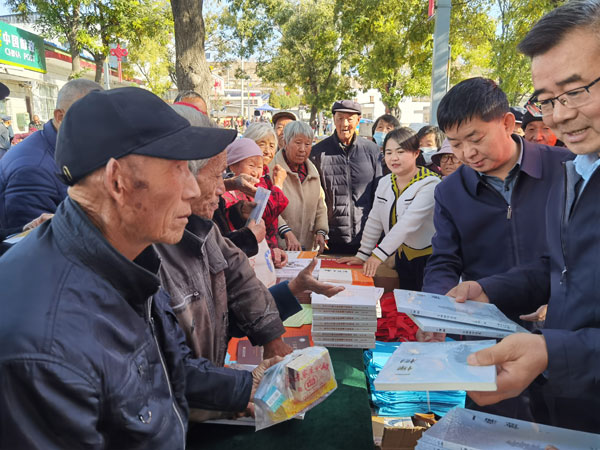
x,y
21,48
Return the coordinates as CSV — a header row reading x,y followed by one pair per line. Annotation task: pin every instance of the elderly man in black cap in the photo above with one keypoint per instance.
x,y
280,120
90,352
349,167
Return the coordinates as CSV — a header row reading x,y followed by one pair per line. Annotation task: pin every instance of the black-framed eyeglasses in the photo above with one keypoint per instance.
x,y
571,99
447,158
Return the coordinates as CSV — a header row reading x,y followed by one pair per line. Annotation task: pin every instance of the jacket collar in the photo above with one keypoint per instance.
x,y
531,164
311,169
83,243
49,133
341,146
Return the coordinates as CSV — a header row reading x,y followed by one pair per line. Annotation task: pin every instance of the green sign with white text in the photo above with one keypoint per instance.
x,y
21,48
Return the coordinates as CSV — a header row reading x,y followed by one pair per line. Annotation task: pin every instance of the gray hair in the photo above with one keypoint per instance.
x,y
197,119
73,91
554,26
297,128
259,130
188,94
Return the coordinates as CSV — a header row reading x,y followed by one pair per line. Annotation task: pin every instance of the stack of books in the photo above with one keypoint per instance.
x,y
465,429
442,314
348,319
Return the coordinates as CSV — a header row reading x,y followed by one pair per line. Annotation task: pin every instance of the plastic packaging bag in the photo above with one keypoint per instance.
x,y
293,386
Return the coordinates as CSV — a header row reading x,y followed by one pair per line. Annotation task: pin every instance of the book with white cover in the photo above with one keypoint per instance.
x,y
345,276
344,325
363,298
337,335
346,344
261,198
442,307
327,314
436,366
448,327
465,429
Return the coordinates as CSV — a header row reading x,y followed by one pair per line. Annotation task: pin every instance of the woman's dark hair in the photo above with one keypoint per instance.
x,y
405,137
431,129
386,118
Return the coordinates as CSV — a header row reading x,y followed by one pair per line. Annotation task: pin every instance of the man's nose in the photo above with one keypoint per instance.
x,y
190,189
220,189
561,113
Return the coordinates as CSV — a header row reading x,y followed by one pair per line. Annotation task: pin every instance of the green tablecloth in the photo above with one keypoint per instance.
x,y
342,421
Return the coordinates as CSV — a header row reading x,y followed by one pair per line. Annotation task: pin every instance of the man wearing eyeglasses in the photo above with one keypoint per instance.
x,y
565,358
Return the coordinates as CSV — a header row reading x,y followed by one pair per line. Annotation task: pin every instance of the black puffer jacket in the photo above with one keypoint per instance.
x,y
91,355
349,179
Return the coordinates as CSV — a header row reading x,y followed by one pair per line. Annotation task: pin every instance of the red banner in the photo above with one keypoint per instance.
x,y
431,10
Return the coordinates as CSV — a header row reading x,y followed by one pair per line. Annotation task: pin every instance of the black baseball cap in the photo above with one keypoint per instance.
x,y
518,113
528,118
125,121
346,106
4,91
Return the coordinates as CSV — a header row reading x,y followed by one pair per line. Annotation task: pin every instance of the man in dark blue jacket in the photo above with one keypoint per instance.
x,y
91,354
564,359
29,185
489,214
349,168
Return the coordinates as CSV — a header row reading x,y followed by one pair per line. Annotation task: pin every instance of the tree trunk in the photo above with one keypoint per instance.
x,y
313,113
99,59
191,68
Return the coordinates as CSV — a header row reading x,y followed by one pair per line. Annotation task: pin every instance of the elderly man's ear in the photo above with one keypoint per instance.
x,y
59,115
117,177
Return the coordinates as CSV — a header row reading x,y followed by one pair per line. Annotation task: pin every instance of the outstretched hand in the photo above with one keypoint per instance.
x,y
306,282
519,359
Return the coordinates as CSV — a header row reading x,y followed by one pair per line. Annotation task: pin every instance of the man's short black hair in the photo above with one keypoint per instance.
x,y
552,28
386,118
477,97
432,129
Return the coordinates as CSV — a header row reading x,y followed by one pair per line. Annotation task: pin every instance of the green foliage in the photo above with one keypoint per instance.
x,y
509,67
284,99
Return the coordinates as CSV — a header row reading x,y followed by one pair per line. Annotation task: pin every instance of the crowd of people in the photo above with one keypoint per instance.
x,y
119,303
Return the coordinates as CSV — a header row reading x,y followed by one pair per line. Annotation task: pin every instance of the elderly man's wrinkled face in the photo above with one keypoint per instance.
x,y
159,201
210,182
279,126
345,125
540,133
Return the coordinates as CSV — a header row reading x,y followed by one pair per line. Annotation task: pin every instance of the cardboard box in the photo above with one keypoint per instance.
x,y
388,437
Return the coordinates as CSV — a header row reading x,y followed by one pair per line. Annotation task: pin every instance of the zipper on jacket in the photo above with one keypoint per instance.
x,y
563,274
352,235
162,363
509,213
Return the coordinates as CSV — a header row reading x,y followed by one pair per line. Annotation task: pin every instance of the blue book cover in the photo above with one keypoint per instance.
x,y
446,308
436,366
473,430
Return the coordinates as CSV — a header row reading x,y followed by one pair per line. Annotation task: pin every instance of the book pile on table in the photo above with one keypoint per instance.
x,y
465,429
348,319
442,314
